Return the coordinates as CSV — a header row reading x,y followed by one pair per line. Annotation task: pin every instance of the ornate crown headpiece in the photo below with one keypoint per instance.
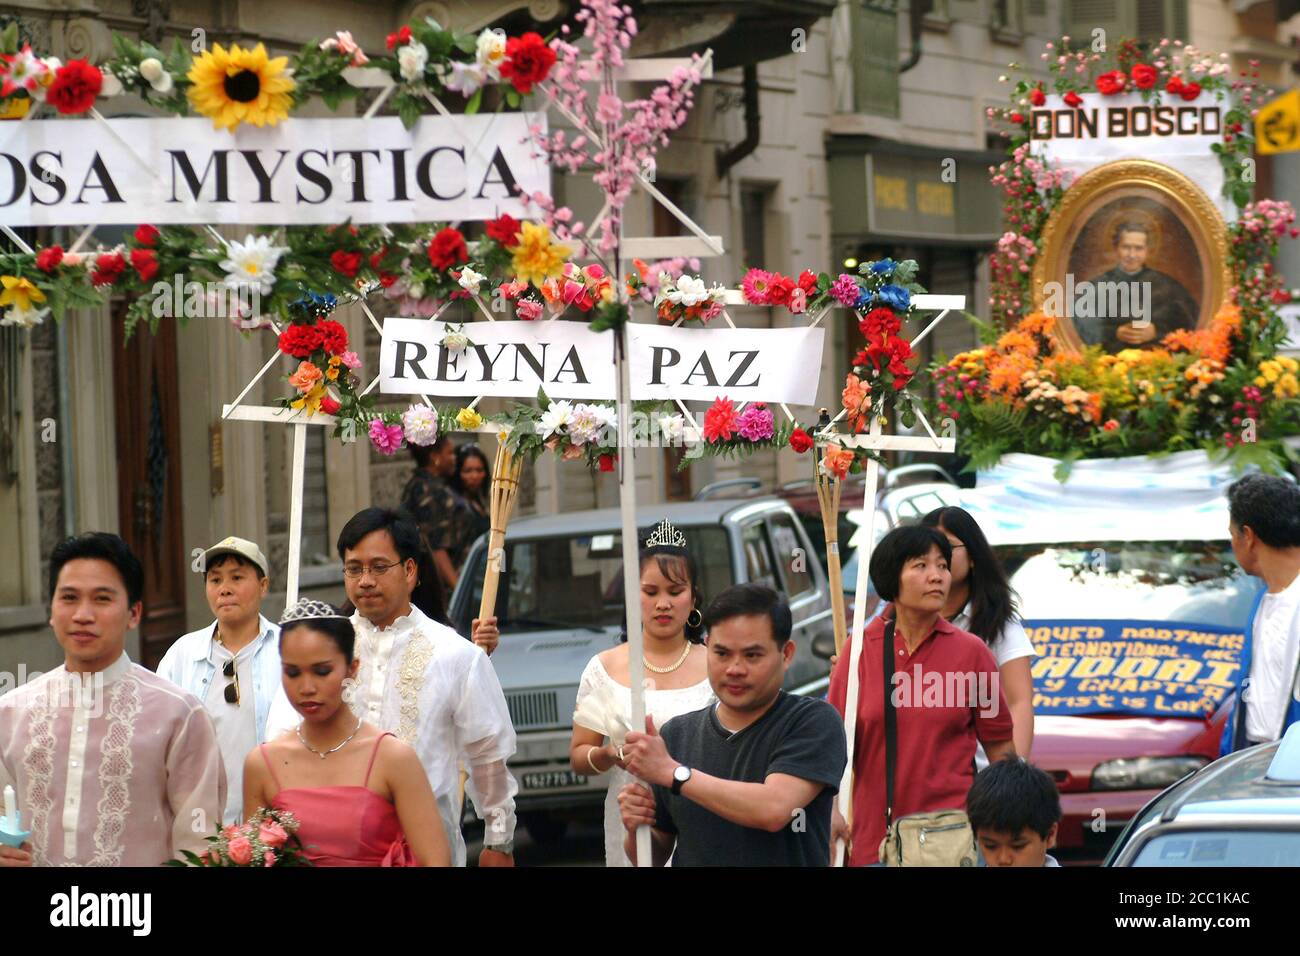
x,y
666,536
308,610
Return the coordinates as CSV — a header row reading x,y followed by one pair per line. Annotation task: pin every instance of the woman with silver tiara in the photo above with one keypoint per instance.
x,y
360,795
672,633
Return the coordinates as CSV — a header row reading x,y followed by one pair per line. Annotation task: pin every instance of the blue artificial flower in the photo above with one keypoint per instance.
x,y
894,296
884,265
863,300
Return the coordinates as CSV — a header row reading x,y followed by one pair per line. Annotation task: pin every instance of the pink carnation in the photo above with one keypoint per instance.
x,y
844,290
756,422
386,438
350,359
528,309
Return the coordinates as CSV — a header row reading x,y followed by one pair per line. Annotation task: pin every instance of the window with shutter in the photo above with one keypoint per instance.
x,y
1084,16
315,501
875,65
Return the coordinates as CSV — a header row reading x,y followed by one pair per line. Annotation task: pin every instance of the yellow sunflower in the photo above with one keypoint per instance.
x,y
240,86
537,257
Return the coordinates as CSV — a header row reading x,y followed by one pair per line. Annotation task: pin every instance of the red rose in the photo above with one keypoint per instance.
x,y
1073,99
1175,85
75,86
1190,91
528,61
47,260
145,262
1037,96
400,38
377,257
386,279
1017,118
780,291
329,406
333,336
808,282
505,230
1281,296
606,462
1144,76
146,235
1108,84
300,340
346,263
447,249
108,269
800,441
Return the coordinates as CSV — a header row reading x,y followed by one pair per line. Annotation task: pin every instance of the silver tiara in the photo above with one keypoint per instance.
x,y
666,536
308,610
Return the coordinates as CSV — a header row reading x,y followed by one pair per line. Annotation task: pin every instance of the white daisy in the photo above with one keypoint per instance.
x,y
555,418
252,263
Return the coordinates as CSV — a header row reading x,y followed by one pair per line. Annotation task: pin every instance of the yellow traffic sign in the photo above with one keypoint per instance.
x,y
1277,125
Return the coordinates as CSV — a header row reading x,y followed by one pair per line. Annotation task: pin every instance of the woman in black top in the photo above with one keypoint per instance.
x,y
472,480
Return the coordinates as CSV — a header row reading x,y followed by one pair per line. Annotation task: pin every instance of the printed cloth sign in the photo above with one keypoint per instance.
x,y
569,360
126,171
1149,668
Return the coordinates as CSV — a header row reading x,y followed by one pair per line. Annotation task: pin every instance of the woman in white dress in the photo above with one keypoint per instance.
x,y
981,601
674,657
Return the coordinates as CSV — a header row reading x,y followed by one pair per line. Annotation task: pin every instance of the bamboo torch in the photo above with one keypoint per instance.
x,y
505,487
828,496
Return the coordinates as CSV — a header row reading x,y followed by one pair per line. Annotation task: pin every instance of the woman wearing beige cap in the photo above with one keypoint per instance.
x,y
232,664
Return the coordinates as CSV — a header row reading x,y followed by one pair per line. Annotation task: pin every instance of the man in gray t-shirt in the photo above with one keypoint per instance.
x,y
749,780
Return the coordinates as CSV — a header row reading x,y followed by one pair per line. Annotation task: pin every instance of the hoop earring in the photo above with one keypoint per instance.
x,y
699,618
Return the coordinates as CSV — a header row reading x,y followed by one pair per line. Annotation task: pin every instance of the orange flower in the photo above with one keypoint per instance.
x,y
837,461
857,401
1018,341
305,379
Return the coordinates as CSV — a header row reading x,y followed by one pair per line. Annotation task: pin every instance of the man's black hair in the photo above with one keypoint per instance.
x,y
399,524
1012,795
104,547
1269,506
740,600
896,549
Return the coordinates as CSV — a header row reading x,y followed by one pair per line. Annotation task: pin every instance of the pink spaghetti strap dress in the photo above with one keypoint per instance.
x,y
345,826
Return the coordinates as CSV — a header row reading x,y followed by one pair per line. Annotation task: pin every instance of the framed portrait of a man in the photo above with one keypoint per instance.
x,y
1133,251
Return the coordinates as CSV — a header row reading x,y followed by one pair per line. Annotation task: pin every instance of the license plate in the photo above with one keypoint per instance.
x,y
551,779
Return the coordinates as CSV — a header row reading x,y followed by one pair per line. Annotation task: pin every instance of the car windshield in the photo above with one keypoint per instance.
x,y
1191,582
1222,848
577,581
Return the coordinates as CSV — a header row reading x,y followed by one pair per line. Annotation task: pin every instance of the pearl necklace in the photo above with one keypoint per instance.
x,y
332,749
671,667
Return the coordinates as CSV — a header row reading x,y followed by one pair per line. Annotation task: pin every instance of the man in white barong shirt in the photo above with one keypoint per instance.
x,y
425,683
112,765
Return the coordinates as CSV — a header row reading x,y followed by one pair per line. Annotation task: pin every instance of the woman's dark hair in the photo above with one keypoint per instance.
x,y
671,561
896,549
337,629
422,453
464,453
741,600
399,524
1269,506
104,547
992,602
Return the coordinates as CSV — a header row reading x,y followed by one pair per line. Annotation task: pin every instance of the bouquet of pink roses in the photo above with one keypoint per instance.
x,y
267,839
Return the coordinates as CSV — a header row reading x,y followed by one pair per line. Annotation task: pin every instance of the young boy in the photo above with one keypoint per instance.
x,y
1014,810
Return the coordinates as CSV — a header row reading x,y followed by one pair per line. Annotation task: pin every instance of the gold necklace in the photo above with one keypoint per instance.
x,y
672,667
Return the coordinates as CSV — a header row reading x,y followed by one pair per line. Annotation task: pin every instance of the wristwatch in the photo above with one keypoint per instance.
x,y
508,848
680,776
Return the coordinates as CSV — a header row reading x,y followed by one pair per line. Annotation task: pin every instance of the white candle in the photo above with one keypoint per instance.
x,y
11,810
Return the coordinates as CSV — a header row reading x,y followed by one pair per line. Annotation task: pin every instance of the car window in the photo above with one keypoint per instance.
x,y
1222,848
791,555
1192,582
578,581
759,566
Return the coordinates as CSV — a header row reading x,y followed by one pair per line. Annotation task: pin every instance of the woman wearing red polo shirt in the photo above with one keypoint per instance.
x,y
945,693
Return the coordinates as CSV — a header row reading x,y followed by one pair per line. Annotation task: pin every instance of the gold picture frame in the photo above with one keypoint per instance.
x,y
1179,214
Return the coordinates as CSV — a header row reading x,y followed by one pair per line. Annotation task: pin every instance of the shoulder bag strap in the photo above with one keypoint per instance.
x,y
891,723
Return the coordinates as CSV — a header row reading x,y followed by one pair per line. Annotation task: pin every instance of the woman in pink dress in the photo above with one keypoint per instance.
x,y
360,795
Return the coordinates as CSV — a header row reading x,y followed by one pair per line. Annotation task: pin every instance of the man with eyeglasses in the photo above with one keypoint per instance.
x,y
425,683
233,664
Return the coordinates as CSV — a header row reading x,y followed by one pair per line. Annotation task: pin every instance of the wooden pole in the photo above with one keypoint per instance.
x,y
295,512
845,795
506,470
828,497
